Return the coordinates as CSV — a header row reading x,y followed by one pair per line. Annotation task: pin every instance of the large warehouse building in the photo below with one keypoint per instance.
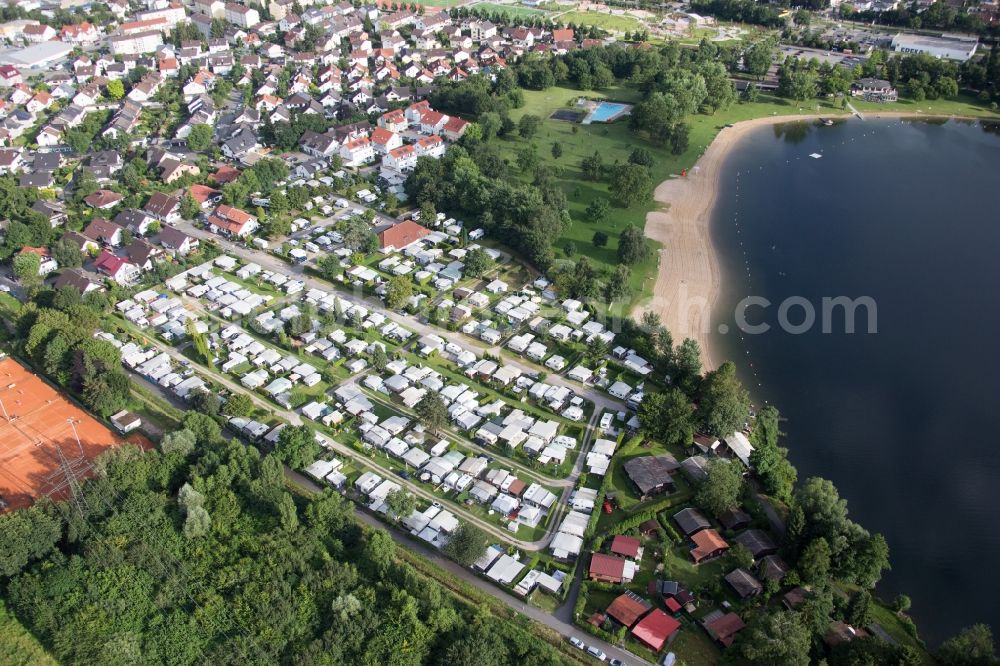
x,y
950,47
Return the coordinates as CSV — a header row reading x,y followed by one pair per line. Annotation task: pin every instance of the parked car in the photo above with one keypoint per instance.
x,y
577,643
617,662
596,653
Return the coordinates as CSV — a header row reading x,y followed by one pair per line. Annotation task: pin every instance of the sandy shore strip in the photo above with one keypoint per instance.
x,y
688,280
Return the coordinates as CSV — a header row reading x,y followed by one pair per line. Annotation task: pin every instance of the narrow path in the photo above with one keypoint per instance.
x,y
855,111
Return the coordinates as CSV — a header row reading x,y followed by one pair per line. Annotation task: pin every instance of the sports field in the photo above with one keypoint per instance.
x,y
34,426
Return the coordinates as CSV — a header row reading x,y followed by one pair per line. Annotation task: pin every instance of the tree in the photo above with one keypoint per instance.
x,y
116,89
67,253
379,359
180,442
901,603
777,638
668,417
25,536
400,502
477,262
723,404
204,428
598,210
617,285
973,646
107,392
297,446
189,207
398,291
379,550
720,491
528,125
641,156
770,461
26,266
432,411
200,138
197,523
600,239
630,184
814,562
238,404
632,248
858,612
592,166
597,350
428,213
557,150
467,544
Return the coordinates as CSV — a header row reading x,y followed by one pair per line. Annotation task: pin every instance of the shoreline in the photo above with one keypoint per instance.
x,y
688,278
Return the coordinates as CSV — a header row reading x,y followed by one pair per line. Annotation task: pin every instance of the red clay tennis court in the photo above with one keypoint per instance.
x,y
36,421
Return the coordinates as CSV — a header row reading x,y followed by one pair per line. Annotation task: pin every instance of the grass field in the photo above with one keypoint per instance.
x,y
609,22
18,646
963,105
615,142
510,10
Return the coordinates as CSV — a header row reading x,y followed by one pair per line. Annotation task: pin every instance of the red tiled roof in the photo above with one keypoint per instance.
x,y
655,629
382,136
402,234
725,628
606,566
202,193
225,174
625,545
102,198
627,608
109,263
706,542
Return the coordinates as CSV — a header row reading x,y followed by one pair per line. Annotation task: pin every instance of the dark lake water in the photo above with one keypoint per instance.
x,y
903,421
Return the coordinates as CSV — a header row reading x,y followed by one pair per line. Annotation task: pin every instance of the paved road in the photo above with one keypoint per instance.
x,y
563,627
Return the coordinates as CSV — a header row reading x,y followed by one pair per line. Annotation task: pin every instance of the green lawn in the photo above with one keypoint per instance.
x,y
18,646
509,10
615,142
963,105
609,22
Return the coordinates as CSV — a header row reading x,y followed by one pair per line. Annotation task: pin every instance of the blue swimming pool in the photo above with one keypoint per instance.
x,y
607,110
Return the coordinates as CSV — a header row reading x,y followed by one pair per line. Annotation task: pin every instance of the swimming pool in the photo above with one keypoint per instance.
x,y
605,111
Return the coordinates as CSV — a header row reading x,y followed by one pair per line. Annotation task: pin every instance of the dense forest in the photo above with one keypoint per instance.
x,y
197,553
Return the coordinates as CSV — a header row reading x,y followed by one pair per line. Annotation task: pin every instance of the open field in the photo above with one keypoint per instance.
x,y
509,10
36,428
615,142
609,22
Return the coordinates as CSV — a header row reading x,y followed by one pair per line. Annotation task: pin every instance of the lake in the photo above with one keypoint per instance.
x,y
902,420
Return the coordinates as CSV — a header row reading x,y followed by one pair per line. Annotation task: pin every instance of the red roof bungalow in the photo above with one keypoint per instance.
x,y
724,628
654,630
627,608
626,546
103,199
707,544
606,568
232,221
205,195
454,128
225,174
401,235
563,35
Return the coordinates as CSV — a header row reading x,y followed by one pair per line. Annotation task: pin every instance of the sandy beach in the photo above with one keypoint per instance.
x,y
688,280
